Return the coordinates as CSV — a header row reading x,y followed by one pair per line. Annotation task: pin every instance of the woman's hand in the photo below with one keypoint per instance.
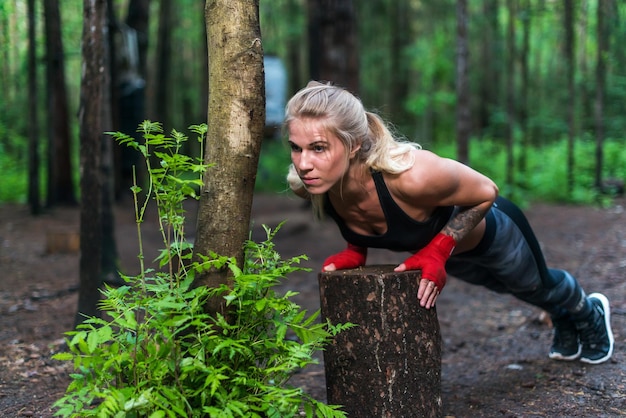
x,y
351,257
431,260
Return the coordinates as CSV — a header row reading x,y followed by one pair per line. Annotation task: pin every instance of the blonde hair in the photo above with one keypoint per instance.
x,y
344,116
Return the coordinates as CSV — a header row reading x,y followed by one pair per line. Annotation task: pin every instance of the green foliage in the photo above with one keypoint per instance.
x,y
13,165
156,351
545,178
273,163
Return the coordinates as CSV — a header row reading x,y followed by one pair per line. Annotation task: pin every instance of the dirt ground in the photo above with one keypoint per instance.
x,y
495,348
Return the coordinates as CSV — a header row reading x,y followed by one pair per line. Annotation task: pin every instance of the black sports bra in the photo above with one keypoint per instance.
x,y
403,232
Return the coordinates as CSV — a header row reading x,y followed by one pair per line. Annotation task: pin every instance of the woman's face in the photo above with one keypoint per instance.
x,y
318,156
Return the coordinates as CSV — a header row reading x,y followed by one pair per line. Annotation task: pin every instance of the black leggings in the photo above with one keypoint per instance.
x,y
509,260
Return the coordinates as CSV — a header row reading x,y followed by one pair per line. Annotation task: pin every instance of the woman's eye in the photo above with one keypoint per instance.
x,y
319,148
295,148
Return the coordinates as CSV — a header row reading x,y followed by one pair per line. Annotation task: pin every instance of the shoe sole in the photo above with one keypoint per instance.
x,y
559,356
607,322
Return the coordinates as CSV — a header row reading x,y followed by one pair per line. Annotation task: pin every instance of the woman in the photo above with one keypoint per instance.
x,y
387,193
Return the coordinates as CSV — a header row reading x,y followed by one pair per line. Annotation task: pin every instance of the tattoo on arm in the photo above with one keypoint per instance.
x,y
463,222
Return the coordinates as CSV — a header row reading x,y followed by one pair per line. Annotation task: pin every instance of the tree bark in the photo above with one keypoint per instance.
x,y
236,119
389,365
60,182
33,116
92,92
164,54
463,114
510,93
333,43
603,49
568,53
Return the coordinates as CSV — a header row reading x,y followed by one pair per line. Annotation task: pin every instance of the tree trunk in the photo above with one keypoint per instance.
x,y
92,91
524,87
33,115
463,116
490,59
568,24
60,182
163,56
401,38
510,93
603,49
109,259
389,365
236,120
333,43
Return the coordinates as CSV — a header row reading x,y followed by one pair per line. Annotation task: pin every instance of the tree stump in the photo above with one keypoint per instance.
x,y
390,364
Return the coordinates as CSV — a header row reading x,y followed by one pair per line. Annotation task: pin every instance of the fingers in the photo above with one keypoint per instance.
x,y
401,267
330,267
427,293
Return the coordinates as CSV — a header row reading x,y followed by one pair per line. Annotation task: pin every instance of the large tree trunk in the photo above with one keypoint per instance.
x,y
33,105
60,182
236,119
92,91
333,43
389,365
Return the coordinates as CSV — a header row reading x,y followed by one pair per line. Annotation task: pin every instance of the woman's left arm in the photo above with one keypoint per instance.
x,y
434,182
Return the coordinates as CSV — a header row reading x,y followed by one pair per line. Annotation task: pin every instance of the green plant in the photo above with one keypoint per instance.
x,y
156,352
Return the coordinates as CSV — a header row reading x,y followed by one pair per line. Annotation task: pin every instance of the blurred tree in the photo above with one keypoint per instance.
x,y
333,52
401,36
526,15
33,127
490,57
463,114
163,63
92,99
236,120
570,65
603,48
60,185
510,91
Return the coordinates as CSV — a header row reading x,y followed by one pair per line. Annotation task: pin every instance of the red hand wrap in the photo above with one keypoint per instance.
x,y
351,257
432,259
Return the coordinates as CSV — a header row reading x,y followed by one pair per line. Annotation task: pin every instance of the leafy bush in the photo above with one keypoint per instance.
x,y
156,351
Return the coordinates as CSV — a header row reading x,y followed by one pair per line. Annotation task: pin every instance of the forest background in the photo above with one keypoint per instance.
x,y
529,92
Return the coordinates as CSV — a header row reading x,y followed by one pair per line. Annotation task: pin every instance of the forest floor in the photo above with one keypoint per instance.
x,y
495,348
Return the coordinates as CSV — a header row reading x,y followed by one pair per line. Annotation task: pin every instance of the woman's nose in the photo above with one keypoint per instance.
x,y
304,161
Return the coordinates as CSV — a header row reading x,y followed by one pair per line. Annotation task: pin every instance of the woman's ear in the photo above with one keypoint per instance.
x,y
355,150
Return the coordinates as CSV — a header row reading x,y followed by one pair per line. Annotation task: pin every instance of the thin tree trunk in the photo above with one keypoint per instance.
x,y
571,92
163,56
93,88
524,88
510,93
603,49
33,115
401,36
60,182
236,121
463,118
490,62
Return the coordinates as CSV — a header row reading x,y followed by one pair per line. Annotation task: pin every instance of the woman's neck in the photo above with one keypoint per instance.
x,y
355,185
